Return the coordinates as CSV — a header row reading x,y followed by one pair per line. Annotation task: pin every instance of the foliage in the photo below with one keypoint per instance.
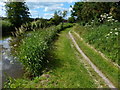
x,y
56,18
106,66
41,23
71,19
7,27
17,13
64,14
63,67
88,11
104,38
34,47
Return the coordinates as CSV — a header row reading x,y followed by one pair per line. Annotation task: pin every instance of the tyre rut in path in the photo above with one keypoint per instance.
x,y
106,80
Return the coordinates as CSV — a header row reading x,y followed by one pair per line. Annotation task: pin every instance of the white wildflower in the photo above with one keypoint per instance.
x,y
15,45
110,17
116,33
111,29
116,20
113,19
115,29
106,37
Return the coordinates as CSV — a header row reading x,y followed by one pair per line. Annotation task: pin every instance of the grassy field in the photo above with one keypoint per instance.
x,y
106,67
64,70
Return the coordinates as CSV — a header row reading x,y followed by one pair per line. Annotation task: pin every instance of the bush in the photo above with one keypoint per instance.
x,y
7,27
71,20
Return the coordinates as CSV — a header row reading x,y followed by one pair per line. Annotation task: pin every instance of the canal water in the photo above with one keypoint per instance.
x,y
9,65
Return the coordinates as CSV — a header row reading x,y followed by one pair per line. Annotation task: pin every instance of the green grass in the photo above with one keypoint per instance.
x,y
64,70
103,37
106,67
32,51
69,72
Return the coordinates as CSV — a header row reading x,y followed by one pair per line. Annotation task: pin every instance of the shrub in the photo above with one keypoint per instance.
x,y
71,19
7,27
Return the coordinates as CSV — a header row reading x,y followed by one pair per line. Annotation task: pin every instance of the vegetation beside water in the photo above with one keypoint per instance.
x,y
33,50
48,55
65,69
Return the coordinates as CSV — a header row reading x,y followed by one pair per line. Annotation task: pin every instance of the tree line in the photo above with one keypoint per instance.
x,y
87,11
18,13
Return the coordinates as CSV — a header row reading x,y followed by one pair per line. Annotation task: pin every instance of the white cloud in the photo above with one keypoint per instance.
x,y
35,8
48,14
35,5
2,3
42,0
54,6
52,0
50,6
34,13
2,9
70,9
70,1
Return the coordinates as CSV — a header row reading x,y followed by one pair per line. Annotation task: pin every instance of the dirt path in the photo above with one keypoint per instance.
x,y
107,81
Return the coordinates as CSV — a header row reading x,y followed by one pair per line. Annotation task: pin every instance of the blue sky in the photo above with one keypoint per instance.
x,y
46,10
43,9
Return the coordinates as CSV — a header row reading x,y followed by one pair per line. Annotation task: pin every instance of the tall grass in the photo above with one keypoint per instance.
x,y
103,37
33,50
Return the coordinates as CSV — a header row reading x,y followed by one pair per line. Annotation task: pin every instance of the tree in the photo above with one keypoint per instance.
x,y
56,18
76,10
64,14
71,19
17,13
115,10
86,11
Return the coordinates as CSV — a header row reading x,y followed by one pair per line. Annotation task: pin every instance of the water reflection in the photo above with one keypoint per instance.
x,y
9,64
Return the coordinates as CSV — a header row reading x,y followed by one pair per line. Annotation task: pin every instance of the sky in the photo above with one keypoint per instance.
x,y
43,9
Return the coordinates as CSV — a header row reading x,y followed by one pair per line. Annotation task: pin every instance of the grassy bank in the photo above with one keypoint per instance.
x,y
33,49
106,67
103,37
64,70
